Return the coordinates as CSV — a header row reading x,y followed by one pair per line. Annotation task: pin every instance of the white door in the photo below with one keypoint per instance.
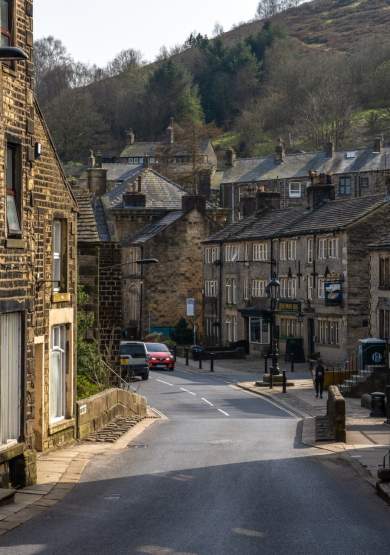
x,y
58,374
10,377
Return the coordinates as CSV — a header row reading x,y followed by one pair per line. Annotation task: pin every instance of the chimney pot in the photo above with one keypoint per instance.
x,y
329,149
378,145
280,152
171,132
130,137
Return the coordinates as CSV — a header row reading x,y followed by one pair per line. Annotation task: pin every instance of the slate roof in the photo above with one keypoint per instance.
x,y
384,244
154,229
247,170
152,148
331,216
91,222
120,172
161,193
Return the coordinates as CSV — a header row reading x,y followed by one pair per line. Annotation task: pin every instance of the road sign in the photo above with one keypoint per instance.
x,y
191,307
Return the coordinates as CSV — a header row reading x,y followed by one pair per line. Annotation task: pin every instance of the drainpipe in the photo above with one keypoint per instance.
x,y
141,294
220,292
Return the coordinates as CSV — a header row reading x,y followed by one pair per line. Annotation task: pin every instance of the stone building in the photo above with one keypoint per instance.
x,y
321,258
351,173
380,289
177,160
147,208
38,270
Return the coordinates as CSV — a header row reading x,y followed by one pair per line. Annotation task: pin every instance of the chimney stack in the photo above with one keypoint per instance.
x,y
139,183
171,132
378,145
329,149
91,159
130,137
320,190
190,202
267,201
280,152
97,181
230,157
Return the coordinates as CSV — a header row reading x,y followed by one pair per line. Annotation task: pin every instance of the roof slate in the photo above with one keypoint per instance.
x,y
154,229
91,223
160,192
120,172
153,148
247,170
329,217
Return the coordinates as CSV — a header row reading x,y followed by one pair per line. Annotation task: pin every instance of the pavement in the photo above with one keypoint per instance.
x,y
222,472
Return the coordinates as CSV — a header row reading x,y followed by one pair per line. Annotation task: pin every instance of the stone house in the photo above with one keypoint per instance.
x,y
38,271
351,173
380,289
321,258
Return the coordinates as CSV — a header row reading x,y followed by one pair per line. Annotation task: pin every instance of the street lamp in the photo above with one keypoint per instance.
x,y
12,53
272,291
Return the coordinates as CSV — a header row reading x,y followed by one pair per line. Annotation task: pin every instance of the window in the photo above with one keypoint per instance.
x,y
57,386
310,287
231,291
245,289
283,250
6,15
290,327
10,377
384,272
292,288
59,255
322,249
328,332
259,331
260,251
211,255
364,184
231,329
333,248
328,247
210,288
310,250
283,287
384,324
132,255
13,189
231,253
321,288
295,189
292,250
345,185
212,329
258,288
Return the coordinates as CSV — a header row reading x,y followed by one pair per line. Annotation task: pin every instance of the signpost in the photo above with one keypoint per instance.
x,y
191,308
333,293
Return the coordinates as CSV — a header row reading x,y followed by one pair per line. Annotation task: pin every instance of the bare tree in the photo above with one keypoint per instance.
x,y
268,8
125,60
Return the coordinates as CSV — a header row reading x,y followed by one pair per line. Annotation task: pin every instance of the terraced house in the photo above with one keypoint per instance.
x,y
321,258
37,269
353,173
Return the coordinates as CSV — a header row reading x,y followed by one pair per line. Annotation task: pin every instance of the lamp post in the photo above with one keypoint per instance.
x,y
272,290
12,53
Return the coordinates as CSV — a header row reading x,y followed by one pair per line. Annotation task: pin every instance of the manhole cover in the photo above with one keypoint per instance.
x,y
137,446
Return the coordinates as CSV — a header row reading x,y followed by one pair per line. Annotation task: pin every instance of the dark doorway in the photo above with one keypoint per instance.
x,y
311,337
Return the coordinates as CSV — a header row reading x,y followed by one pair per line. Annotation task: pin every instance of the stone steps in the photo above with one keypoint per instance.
x,y
7,496
113,431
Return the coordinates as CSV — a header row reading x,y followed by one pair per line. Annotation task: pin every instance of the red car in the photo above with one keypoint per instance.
x,y
159,357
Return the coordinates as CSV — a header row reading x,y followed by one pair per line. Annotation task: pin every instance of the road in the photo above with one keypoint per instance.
x,y
223,473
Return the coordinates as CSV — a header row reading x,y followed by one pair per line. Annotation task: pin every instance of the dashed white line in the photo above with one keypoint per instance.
x,y
207,402
166,383
223,412
187,391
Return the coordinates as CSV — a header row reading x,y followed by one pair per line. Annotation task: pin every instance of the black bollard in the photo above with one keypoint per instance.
x,y
174,353
271,380
211,363
187,353
200,361
266,364
292,363
388,403
284,382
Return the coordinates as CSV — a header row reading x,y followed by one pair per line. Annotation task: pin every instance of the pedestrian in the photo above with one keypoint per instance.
x,y
319,379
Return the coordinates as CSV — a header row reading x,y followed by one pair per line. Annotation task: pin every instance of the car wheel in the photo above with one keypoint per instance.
x,y
145,377
171,369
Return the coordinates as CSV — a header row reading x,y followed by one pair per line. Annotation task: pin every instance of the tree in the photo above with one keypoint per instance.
x,y
269,8
124,61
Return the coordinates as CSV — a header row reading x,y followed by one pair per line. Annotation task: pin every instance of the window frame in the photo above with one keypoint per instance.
x,y
16,189
264,335
345,185
295,194
384,272
259,288
260,252
61,285
62,349
8,31
310,250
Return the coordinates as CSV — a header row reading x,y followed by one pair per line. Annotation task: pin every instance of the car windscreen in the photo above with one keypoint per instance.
x,y
156,348
136,351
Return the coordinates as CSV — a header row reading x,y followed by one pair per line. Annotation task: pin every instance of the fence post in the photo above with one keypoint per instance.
x,y
284,382
271,380
187,353
211,363
200,361
292,363
265,364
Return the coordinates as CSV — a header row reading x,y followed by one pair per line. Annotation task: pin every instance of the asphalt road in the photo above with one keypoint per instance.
x,y
224,473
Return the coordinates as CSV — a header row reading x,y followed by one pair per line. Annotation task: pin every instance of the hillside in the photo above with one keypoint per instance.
x,y
245,82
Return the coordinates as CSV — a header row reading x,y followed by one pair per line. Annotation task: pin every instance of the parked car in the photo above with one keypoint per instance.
x,y
134,359
159,357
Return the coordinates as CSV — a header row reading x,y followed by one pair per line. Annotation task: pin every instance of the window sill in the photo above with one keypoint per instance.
x,y
61,298
57,427
14,243
10,451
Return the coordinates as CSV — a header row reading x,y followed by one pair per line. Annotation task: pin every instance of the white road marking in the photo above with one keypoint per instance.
x,y
187,391
208,402
280,407
166,383
223,412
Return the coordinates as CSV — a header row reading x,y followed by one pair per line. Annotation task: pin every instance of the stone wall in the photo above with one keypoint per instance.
x,y
96,412
379,297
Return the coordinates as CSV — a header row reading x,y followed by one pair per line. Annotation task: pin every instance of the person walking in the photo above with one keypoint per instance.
x,y
319,379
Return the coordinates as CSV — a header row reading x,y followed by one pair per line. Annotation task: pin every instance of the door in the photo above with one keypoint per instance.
x,y
311,338
10,377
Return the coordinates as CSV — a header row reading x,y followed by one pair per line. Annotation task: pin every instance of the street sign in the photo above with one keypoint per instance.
x,y
191,307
